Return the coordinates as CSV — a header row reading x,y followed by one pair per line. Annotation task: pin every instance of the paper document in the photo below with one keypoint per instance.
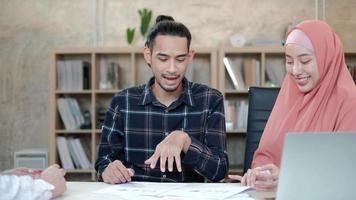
x,y
151,190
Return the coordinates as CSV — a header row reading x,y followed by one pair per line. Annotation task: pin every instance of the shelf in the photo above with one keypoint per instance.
x,y
74,92
234,92
76,131
106,91
254,49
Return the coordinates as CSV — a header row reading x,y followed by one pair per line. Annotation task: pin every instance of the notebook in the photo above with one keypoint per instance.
x,y
318,166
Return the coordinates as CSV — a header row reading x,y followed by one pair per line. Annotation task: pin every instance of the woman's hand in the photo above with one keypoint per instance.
x,y
264,177
55,176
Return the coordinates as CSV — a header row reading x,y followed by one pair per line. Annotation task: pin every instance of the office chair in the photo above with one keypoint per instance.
x,y
261,102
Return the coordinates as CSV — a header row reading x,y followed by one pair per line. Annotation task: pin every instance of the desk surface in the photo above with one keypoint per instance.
x,y
80,190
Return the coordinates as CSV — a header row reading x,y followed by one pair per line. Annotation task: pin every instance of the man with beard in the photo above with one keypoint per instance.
x,y
170,129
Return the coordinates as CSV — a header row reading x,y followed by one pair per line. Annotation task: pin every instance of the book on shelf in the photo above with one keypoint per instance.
x,y
83,160
258,72
236,114
229,114
86,143
86,75
60,67
109,75
64,154
70,113
252,72
236,77
73,75
72,154
241,114
275,74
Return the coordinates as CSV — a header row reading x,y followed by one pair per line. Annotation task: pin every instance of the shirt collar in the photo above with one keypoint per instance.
x,y
186,96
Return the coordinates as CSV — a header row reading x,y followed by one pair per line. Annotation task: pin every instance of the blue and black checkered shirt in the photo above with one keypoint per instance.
x,y
136,122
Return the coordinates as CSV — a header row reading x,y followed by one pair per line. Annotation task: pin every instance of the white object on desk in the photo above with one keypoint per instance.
x,y
143,190
150,190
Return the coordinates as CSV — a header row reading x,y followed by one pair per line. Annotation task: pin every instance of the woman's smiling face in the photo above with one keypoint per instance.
x,y
301,65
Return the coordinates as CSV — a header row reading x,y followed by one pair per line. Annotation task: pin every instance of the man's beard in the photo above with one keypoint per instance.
x,y
166,89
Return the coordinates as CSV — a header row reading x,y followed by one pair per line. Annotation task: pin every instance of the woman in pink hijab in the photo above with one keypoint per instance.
x,y
317,94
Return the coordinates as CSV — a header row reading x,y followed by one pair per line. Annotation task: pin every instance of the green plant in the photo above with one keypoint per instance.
x,y
130,33
146,16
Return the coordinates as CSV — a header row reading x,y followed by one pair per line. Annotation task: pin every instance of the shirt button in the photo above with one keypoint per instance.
x,y
164,176
166,133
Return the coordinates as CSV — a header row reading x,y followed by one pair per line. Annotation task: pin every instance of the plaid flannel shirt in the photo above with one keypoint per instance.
x,y
136,122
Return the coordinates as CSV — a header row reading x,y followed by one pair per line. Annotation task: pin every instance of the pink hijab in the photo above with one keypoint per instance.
x,y
330,106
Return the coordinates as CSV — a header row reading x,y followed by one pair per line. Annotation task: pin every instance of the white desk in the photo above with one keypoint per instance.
x,y
84,190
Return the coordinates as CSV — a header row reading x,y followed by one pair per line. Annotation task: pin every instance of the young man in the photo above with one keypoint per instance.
x,y
170,129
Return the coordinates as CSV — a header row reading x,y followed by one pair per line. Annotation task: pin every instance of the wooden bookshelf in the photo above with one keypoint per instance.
x,y
240,59
133,71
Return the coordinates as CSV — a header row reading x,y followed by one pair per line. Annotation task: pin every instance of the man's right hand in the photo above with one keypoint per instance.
x,y
116,172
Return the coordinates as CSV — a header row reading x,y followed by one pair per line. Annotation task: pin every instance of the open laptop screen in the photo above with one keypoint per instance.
x,y
318,166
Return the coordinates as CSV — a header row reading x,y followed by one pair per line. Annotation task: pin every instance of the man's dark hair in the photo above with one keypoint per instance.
x,y
165,25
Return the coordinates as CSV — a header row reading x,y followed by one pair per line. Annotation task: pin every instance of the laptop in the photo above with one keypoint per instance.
x,y
318,166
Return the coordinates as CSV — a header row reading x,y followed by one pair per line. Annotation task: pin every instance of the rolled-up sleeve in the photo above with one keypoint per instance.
x,y
24,187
